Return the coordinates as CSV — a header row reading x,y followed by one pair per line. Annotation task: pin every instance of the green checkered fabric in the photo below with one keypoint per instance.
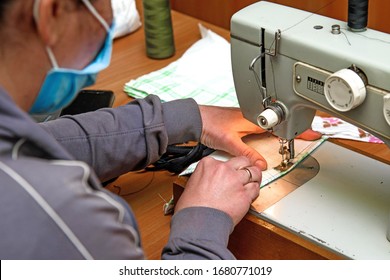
x,y
170,85
202,73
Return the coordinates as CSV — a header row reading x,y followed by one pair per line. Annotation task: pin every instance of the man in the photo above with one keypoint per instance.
x,y
52,204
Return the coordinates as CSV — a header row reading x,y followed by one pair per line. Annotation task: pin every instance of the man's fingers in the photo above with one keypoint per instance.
x,y
252,174
242,149
310,135
253,190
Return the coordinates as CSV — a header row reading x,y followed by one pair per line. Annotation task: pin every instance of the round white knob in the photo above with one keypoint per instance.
x,y
345,90
386,110
268,119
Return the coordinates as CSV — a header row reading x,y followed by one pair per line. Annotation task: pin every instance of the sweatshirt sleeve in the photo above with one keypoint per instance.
x,y
118,140
199,233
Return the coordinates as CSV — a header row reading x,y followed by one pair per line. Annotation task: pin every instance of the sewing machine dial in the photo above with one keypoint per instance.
x,y
386,109
345,90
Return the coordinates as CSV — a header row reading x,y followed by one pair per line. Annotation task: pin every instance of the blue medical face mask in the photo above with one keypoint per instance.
x,y
61,85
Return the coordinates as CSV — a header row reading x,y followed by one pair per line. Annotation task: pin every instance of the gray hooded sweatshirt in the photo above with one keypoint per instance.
x,y
52,204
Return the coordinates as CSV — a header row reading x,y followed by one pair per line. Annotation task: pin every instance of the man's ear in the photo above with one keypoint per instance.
x,y
47,20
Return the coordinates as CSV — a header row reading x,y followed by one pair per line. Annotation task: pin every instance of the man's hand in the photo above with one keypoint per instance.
x,y
224,127
226,186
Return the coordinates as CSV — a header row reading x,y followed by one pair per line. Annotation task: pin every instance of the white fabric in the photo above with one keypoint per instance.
x,y
126,16
337,128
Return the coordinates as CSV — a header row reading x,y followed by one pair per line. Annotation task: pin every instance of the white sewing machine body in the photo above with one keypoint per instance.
x,y
306,54
290,57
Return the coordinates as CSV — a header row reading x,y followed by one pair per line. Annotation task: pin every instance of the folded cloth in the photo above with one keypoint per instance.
x,y
203,73
126,17
337,128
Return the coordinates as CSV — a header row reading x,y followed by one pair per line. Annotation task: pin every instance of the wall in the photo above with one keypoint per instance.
x,y
219,12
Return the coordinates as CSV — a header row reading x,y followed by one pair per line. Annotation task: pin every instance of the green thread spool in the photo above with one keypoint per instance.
x,y
158,29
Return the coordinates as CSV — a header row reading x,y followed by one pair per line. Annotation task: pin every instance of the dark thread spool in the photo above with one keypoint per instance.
x,y
158,29
357,15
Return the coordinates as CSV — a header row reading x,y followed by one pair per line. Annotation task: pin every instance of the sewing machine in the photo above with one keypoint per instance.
x,y
287,64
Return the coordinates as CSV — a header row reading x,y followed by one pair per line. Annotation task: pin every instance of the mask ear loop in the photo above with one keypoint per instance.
x,y
52,58
93,11
36,10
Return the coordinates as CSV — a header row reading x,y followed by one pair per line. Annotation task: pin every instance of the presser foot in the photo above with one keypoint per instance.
x,y
284,165
287,151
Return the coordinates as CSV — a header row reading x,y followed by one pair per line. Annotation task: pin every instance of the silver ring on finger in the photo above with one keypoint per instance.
x,y
249,173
